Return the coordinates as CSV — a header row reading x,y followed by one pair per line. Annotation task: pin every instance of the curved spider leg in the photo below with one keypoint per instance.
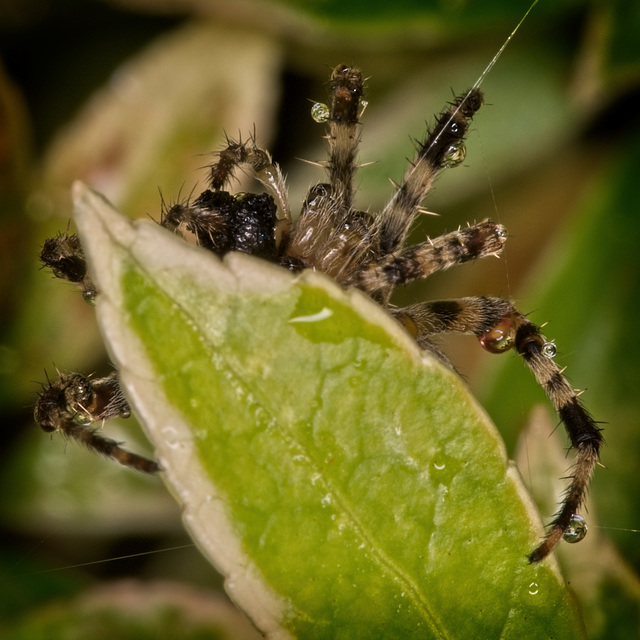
x,y
267,172
322,236
443,148
63,254
380,277
229,158
584,434
347,89
206,217
74,402
499,326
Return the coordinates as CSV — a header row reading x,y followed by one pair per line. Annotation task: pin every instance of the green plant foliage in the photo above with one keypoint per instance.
x,y
346,484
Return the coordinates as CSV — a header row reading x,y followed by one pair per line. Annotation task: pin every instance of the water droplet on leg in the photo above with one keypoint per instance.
x,y
500,337
454,155
577,529
549,349
320,112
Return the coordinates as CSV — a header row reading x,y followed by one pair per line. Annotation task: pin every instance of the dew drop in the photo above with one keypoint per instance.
x,y
499,338
503,234
533,588
549,349
83,419
454,155
89,297
320,112
577,529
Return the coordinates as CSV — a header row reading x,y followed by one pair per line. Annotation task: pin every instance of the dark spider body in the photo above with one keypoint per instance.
x,y
367,251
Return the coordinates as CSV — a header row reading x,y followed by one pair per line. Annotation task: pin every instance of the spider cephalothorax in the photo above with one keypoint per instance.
x,y
363,250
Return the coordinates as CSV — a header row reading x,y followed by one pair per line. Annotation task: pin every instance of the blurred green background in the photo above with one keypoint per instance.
x,y
133,95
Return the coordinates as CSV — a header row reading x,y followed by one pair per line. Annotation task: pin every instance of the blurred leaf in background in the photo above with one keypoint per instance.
x,y
133,98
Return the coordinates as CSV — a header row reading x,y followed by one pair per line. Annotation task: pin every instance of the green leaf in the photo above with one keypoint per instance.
x,y
345,483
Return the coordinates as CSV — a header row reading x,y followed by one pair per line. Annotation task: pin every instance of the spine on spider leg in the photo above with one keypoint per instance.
x,y
584,434
347,88
443,148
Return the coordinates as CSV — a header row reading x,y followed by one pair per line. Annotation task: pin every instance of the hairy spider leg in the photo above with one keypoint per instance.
x,y
442,148
347,88
267,172
74,402
475,315
438,254
329,235
584,434
90,438
500,326
63,254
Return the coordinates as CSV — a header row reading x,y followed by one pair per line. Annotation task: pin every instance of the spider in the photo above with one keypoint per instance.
x,y
357,249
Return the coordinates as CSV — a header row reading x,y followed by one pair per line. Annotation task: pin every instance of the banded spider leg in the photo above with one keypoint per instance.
x,y
74,403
